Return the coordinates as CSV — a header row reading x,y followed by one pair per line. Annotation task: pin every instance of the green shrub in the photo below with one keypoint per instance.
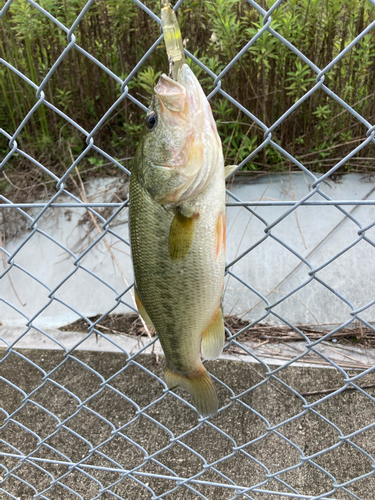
x,y
267,80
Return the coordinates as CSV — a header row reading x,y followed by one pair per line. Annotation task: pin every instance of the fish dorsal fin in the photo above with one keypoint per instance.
x,y
228,170
181,235
213,337
141,309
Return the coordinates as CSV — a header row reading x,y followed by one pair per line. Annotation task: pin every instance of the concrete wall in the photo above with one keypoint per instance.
x,y
316,233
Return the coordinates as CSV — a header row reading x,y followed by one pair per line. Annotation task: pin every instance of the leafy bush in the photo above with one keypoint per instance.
x,y
267,80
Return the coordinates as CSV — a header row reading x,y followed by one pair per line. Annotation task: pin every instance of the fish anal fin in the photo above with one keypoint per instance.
x,y
199,385
141,309
181,235
228,170
213,337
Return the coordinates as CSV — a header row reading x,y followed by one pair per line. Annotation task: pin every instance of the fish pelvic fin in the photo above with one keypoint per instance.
x,y
181,235
213,337
141,309
199,385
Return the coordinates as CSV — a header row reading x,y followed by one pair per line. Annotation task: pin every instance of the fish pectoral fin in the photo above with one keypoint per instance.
x,y
228,170
142,310
181,235
213,337
199,385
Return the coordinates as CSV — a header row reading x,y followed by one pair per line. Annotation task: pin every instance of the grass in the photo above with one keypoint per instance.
x,y
267,80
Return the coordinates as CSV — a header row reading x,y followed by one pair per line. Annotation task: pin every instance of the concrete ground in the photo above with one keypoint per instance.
x,y
108,432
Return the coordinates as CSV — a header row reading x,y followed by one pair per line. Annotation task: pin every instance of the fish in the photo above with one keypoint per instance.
x,y
177,232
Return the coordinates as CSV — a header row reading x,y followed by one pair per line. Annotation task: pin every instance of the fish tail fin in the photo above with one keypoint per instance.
x,y
199,385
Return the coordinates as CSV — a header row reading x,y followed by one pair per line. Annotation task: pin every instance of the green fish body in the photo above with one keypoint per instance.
x,y
177,232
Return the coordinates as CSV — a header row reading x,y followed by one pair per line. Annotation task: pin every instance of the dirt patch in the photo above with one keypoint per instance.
x,y
131,324
128,324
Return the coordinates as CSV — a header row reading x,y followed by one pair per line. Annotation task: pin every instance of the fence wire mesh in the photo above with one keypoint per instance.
x,y
72,428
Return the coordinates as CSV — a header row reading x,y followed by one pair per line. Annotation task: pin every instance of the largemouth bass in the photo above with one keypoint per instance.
x,y
177,232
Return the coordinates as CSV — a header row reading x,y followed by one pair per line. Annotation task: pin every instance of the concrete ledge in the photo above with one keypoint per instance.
x,y
276,353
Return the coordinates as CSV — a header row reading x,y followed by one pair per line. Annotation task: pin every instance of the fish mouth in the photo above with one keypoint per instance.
x,y
171,94
180,95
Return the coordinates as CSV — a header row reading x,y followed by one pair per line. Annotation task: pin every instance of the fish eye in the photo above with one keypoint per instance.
x,y
151,121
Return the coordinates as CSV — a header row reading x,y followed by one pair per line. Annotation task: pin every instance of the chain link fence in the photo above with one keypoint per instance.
x,y
75,428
